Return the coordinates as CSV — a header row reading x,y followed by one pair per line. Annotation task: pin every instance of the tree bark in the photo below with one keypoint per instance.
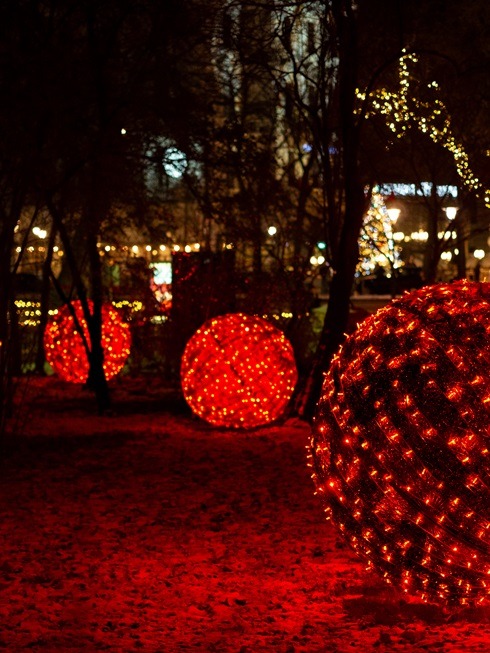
x,y
96,379
45,291
346,253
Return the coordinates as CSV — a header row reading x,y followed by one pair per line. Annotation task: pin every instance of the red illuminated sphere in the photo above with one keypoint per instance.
x,y
238,371
64,348
401,442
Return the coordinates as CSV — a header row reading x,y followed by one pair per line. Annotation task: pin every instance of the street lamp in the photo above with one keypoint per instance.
x,y
393,214
392,208
451,212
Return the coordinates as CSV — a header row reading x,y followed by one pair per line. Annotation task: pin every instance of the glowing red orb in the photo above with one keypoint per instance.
x,y
65,351
238,371
401,442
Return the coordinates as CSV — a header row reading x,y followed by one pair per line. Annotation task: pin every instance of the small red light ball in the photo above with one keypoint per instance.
x,y
65,351
401,442
238,371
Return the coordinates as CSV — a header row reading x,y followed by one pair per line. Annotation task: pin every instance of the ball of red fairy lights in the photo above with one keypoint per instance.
x,y
65,351
238,371
401,442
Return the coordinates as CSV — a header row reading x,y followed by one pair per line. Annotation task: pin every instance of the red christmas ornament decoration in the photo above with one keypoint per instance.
x,y
400,447
65,351
238,371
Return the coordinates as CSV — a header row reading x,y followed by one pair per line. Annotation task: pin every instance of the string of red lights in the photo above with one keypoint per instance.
x,y
238,371
400,450
65,351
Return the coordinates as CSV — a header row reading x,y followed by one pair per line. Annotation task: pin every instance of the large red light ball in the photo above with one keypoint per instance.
x,y
238,371
401,442
64,347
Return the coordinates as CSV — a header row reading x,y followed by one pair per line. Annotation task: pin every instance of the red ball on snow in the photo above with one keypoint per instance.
x,y
238,371
401,442
64,347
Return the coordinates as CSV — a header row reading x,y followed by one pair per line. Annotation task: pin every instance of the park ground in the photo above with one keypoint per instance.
x,y
149,530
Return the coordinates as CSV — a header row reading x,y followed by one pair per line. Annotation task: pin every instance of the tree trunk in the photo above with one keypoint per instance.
x,y
432,249
346,253
96,379
5,372
45,292
337,315
7,226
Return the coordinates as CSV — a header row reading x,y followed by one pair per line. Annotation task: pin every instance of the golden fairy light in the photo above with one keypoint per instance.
x,y
402,109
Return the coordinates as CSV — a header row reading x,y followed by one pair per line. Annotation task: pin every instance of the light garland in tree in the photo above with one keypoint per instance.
x,y
238,371
400,446
403,110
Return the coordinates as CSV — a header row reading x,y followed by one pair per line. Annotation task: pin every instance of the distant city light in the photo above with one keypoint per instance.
x,y
425,188
40,233
174,162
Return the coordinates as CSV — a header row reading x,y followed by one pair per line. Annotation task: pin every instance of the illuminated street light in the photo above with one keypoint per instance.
x,y
394,214
272,231
451,212
479,254
40,233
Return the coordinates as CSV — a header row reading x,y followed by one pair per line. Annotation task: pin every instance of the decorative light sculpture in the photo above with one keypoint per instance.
x,y
401,442
64,347
238,371
403,110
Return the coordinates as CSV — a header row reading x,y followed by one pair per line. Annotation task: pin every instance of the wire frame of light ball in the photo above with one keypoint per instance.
x,y
238,371
400,447
65,350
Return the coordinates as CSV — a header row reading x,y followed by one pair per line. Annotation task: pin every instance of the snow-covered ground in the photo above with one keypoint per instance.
x,y
150,530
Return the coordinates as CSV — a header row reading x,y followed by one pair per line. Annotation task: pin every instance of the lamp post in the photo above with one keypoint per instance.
x,y
479,255
393,211
451,212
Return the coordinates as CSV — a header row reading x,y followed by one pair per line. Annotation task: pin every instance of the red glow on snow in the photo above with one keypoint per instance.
x,y
400,445
64,347
238,371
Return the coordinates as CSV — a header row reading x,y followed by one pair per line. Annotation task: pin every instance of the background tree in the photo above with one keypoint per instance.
x,y
103,80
